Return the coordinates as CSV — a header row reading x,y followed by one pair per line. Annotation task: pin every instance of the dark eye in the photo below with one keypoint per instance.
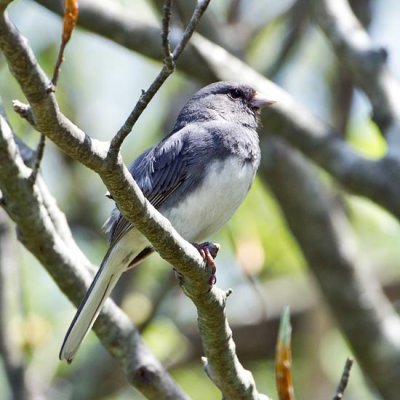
x,y
235,93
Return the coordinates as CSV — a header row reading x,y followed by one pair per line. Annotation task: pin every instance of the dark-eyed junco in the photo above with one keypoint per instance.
x,y
197,177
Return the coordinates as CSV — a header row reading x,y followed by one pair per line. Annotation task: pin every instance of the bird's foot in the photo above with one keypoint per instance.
x,y
209,251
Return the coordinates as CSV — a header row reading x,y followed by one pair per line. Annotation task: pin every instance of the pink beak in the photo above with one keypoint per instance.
x,y
259,100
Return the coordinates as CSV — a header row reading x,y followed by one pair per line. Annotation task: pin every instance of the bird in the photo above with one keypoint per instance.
x,y
196,176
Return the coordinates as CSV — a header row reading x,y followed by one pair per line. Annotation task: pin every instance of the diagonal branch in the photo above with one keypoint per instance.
x,y
92,153
344,380
317,140
167,69
38,158
232,379
326,239
46,114
289,118
373,179
43,231
366,62
10,308
133,33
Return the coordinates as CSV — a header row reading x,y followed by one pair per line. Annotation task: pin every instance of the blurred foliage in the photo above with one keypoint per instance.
x,y
99,84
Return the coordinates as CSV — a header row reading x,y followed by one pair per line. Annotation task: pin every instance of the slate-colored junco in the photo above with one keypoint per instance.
x,y
197,177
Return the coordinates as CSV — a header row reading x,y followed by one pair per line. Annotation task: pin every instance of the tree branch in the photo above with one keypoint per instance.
x,y
344,380
38,158
46,114
133,33
327,242
92,153
288,118
228,373
10,350
372,179
366,62
209,24
35,213
297,22
317,140
167,69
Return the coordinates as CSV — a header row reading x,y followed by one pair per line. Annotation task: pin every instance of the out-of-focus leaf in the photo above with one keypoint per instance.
x,y
70,17
283,362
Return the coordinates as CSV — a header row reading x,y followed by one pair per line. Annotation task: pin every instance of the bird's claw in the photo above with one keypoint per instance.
x,y
208,252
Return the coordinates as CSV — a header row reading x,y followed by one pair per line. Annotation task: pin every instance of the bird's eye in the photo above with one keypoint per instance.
x,y
234,94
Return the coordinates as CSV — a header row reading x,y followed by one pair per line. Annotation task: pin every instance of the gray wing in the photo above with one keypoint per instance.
x,y
159,172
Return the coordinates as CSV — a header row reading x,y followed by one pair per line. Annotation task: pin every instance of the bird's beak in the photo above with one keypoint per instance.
x,y
259,100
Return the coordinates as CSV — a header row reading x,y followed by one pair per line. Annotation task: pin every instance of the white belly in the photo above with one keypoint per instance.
x,y
207,209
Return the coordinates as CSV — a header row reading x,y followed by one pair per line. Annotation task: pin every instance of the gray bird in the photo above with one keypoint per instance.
x,y
197,177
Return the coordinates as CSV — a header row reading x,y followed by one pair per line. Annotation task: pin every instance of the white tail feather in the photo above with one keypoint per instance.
x,y
101,287
129,251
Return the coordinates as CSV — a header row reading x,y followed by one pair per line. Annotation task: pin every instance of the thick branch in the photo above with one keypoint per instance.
x,y
231,378
317,140
222,365
46,114
328,244
365,61
37,218
92,153
10,350
288,118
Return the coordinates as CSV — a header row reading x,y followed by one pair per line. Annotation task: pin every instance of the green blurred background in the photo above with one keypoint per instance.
x,y
99,84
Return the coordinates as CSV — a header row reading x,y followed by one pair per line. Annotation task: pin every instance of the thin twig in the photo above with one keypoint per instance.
x,y
187,34
70,18
344,380
165,34
38,159
57,67
167,69
24,111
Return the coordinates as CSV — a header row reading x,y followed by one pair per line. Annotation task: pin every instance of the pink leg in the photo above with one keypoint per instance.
x,y
209,251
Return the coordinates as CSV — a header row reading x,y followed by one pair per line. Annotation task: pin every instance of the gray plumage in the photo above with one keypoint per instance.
x,y
197,176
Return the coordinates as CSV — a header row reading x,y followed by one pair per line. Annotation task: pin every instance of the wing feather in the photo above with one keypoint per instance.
x,y
159,172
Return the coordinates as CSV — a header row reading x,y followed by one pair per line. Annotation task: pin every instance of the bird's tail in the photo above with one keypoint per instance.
x,y
101,287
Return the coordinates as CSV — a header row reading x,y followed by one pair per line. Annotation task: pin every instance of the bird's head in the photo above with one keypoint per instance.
x,y
230,101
